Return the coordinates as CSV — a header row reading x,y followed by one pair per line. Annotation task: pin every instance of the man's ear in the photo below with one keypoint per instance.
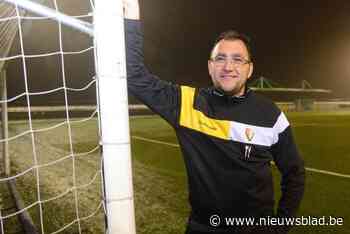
x,y
251,68
210,67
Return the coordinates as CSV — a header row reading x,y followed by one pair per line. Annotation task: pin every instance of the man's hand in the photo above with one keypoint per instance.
x,y
131,9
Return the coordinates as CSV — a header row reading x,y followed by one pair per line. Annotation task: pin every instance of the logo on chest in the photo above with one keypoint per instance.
x,y
249,134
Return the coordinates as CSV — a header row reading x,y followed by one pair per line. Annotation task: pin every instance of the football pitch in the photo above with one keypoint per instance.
x,y
322,138
160,183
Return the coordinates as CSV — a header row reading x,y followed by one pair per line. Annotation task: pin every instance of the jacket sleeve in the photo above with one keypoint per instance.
x,y
160,96
291,166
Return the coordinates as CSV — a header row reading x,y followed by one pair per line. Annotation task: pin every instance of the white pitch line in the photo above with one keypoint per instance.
x,y
306,168
155,141
327,172
320,125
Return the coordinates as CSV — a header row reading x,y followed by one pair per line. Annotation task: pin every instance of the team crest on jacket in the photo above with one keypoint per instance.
x,y
249,133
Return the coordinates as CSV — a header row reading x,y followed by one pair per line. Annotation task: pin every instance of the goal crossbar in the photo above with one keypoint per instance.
x,y
41,10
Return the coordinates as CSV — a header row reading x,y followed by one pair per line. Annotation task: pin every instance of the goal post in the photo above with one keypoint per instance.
x,y
115,139
110,65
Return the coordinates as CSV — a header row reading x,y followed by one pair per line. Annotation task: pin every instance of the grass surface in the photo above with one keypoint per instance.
x,y
160,182
322,138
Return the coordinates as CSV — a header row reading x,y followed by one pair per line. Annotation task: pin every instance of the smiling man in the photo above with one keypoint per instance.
x,y
230,65
228,136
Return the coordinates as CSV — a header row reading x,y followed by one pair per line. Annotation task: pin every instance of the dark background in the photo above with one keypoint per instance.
x,y
292,41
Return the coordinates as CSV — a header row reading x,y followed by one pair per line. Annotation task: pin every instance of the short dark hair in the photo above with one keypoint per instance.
x,y
232,35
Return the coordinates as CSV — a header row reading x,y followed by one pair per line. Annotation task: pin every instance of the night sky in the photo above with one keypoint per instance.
x,y
292,41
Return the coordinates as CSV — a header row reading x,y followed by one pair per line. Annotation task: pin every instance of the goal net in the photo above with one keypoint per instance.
x,y
69,172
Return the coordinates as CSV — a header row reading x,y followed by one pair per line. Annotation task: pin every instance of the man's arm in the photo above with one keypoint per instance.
x,y
291,166
160,96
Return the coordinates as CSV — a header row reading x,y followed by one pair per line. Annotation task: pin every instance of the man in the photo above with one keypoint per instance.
x,y
228,136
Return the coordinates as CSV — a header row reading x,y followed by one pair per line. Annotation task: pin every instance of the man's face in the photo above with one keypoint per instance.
x,y
230,66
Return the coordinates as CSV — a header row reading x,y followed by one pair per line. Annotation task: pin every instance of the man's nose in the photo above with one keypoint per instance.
x,y
229,65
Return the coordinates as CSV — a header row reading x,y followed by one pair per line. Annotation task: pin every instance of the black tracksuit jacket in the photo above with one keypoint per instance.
x,y
227,143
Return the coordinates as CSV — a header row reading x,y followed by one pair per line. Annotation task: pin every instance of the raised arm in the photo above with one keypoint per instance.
x,y
160,96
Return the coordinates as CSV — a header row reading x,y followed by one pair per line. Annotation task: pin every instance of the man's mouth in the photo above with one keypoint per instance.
x,y
229,76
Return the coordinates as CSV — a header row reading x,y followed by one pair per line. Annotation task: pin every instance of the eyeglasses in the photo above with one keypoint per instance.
x,y
222,60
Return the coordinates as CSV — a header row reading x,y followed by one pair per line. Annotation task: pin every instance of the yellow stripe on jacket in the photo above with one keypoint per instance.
x,y
196,120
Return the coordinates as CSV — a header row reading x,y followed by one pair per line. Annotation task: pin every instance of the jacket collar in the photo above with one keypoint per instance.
x,y
220,93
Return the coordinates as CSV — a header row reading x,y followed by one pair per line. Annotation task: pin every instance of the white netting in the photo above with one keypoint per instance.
x,y
55,163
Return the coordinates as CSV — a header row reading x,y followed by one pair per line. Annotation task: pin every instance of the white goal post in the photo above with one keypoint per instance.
x,y
111,70
113,104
